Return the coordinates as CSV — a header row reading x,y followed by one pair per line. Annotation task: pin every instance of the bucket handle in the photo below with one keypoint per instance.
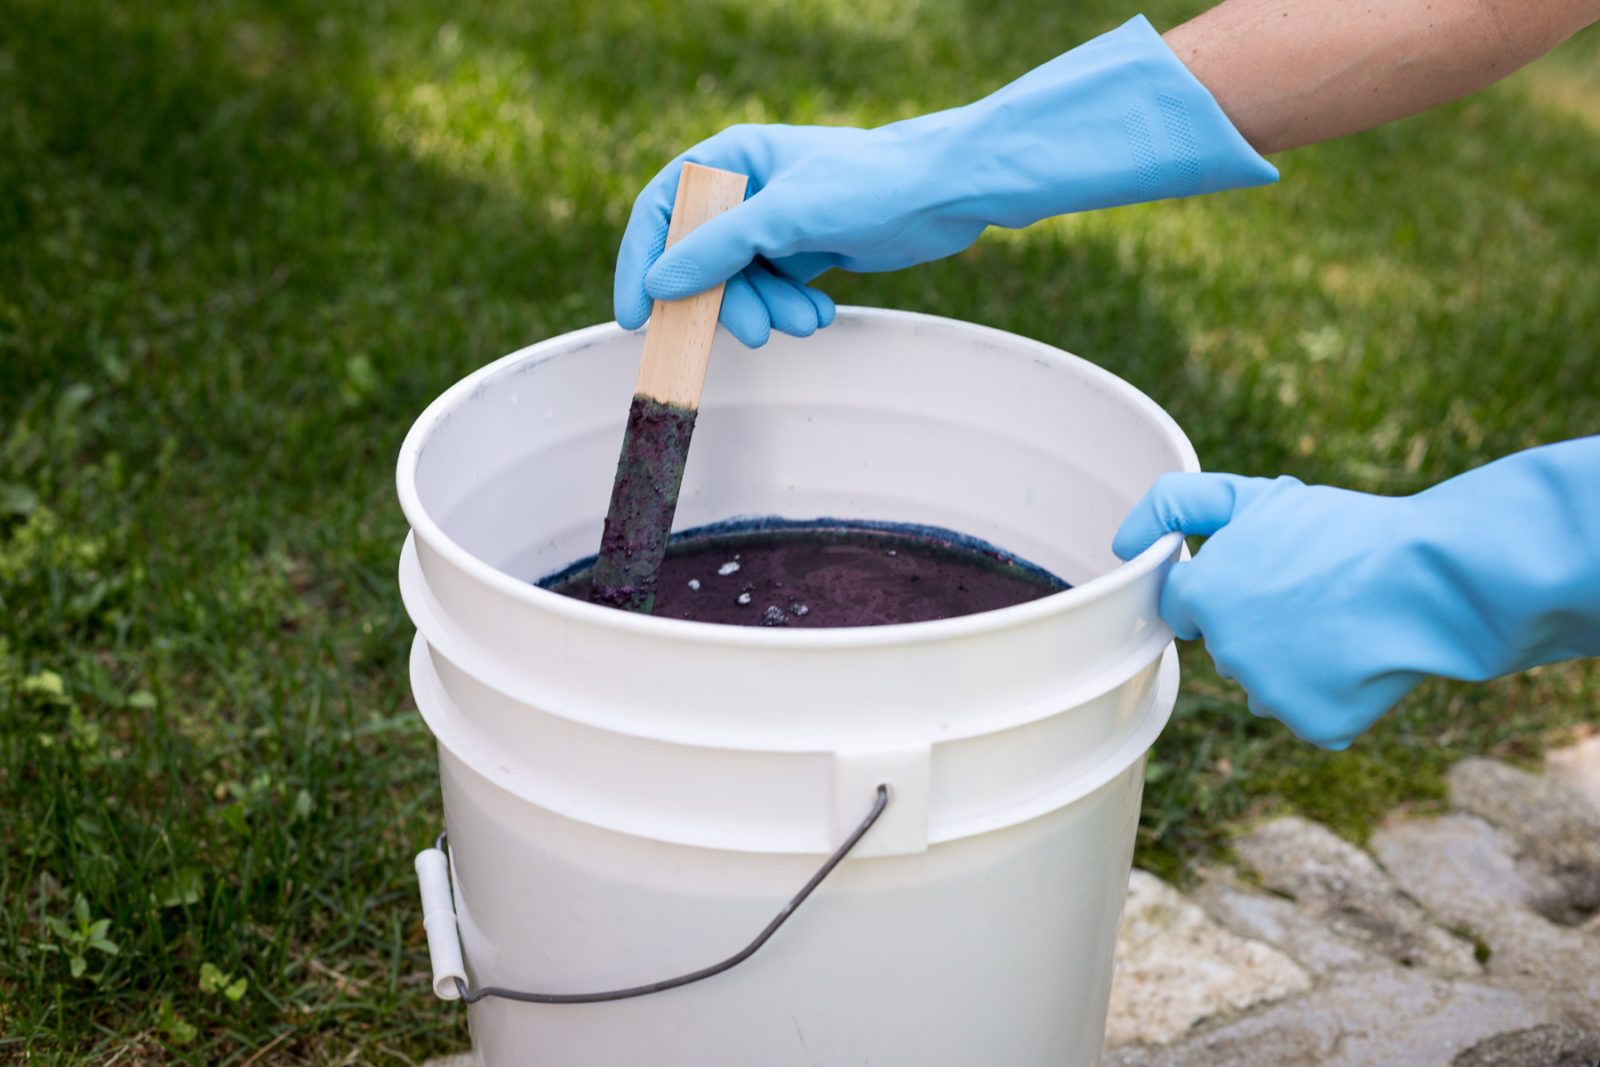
x,y
444,945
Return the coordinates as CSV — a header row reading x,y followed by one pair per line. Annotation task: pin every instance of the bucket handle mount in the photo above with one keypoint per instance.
x,y
444,944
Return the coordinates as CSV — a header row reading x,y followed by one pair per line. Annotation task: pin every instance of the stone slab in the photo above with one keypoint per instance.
x,y
1466,872
1556,1045
1459,865
1375,1018
1554,823
1333,881
1578,767
1264,917
1176,966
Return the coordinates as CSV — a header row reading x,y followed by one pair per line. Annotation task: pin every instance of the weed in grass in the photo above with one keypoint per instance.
x,y
78,936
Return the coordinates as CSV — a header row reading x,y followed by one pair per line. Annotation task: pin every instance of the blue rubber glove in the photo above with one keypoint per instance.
x,y
1328,606
1117,120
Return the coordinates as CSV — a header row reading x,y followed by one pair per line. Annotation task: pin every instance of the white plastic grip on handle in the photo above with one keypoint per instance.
x,y
439,920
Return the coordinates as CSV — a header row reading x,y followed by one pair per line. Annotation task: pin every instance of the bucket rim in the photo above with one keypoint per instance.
x,y
460,742
444,640
428,531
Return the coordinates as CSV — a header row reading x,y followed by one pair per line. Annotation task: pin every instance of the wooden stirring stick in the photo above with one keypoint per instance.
x,y
666,398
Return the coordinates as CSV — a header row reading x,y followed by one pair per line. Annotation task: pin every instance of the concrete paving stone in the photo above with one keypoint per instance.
x,y
1375,1018
464,1059
1331,880
1245,1042
1264,917
1466,872
1556,1045
1459,864
1577,766
1176,966
1554,823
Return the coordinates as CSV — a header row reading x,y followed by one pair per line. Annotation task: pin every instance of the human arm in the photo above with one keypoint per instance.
x,y
1328,606
1297,72
1282,72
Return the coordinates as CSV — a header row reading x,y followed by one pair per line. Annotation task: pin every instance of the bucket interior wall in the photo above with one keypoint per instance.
x,y
938,425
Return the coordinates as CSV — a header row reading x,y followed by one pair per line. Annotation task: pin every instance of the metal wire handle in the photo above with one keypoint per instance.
x,y
473,996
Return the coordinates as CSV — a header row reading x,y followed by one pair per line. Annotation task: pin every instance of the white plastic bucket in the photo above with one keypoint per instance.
x,y
632,798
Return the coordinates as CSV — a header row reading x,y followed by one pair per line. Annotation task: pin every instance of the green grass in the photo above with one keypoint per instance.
x,y
243,243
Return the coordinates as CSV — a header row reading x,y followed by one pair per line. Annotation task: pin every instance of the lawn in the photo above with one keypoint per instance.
x,y
243,244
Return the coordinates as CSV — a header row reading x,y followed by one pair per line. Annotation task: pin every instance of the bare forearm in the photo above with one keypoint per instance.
x,y
1295,72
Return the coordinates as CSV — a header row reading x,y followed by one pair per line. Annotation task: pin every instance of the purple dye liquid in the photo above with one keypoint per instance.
x,y
811,577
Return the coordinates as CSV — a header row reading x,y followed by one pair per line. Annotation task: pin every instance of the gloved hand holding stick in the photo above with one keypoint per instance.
x,y
1115,121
